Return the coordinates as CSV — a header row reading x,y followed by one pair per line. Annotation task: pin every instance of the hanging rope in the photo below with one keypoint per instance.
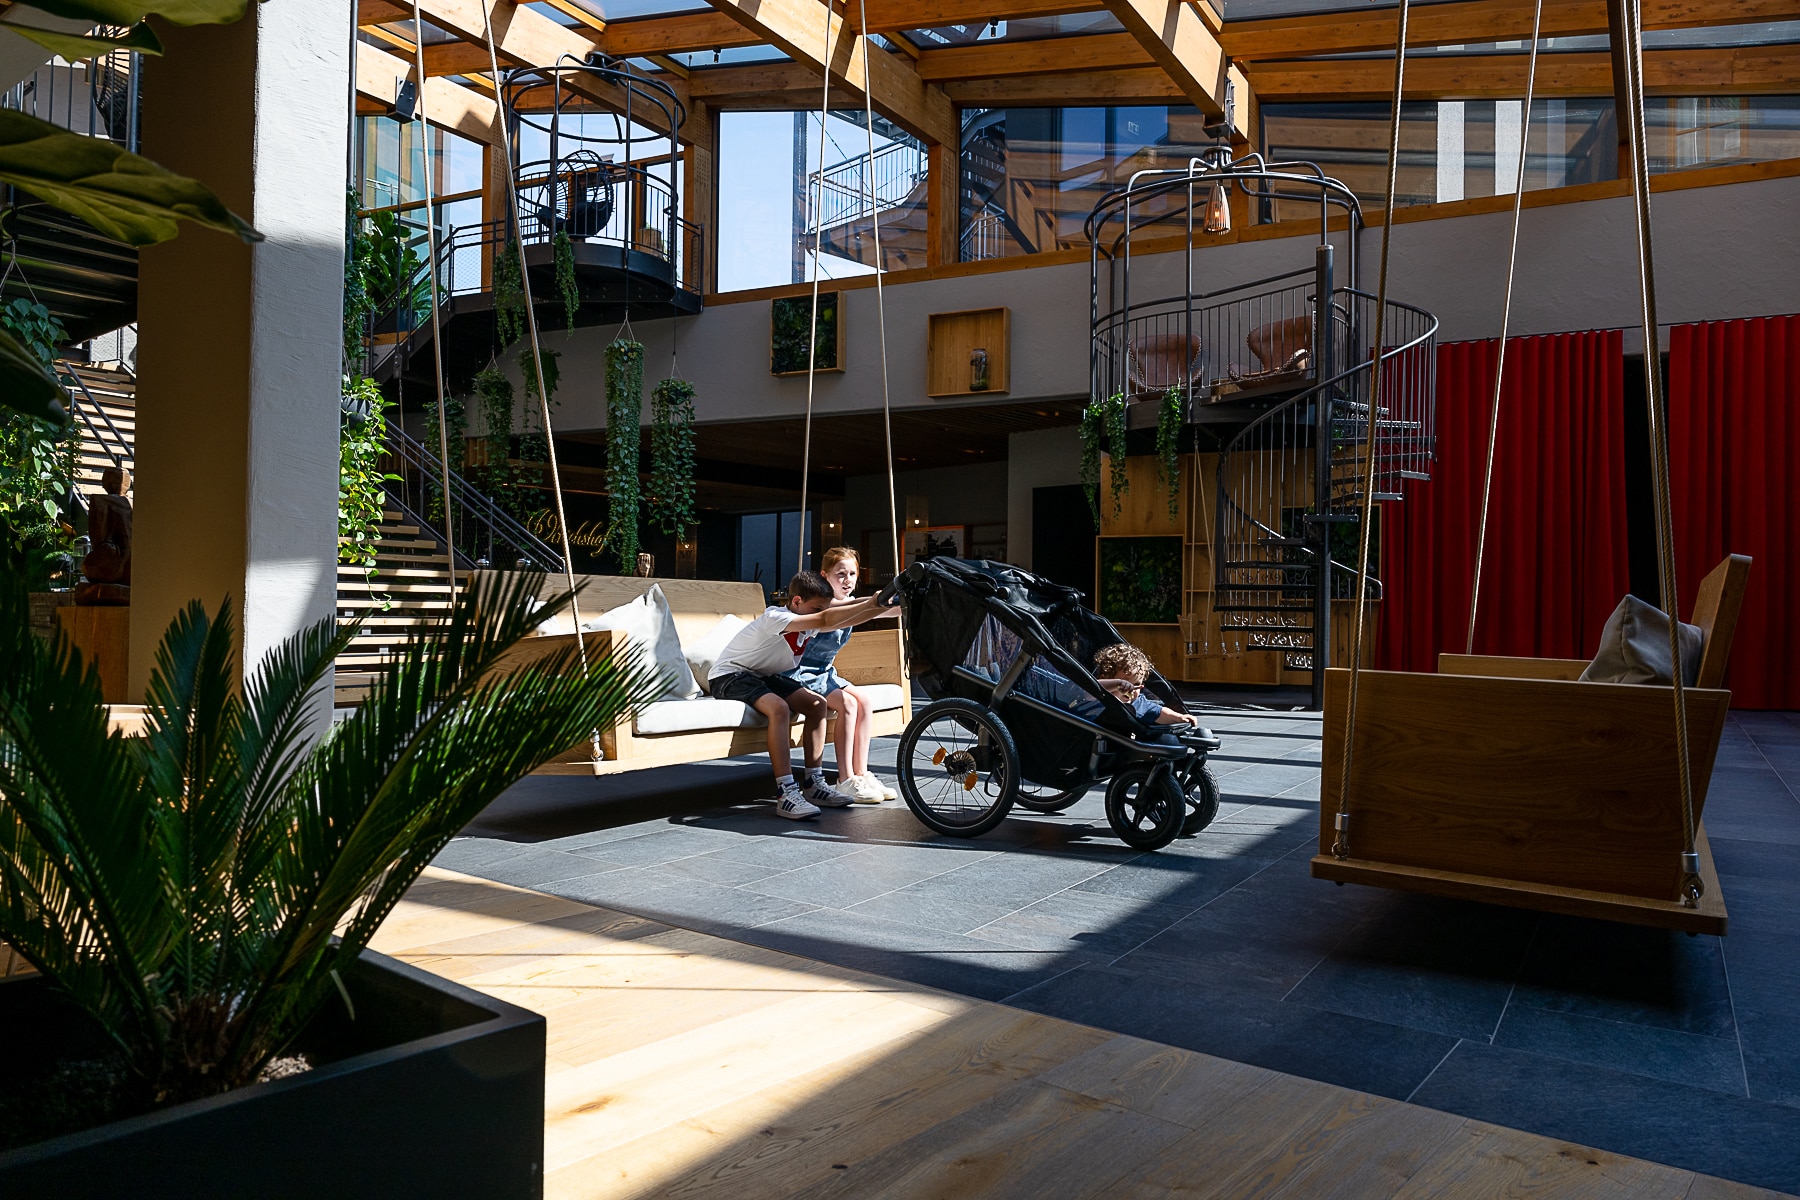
x,y
531,325
887,420
437,325
1512,259
1633,22
1341,846
812,332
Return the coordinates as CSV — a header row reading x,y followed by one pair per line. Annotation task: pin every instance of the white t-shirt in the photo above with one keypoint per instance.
x,y
766,646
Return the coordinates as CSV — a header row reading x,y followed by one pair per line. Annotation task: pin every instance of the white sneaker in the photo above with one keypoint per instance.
x,y
887,793
824,795
792,805
858,788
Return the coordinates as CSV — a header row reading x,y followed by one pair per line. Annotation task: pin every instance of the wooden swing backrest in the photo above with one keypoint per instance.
x,y
1716,608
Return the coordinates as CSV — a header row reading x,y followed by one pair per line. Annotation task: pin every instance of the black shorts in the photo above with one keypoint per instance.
x,y
748,688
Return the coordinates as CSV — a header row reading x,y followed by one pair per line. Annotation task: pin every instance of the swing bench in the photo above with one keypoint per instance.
x,y
1511,781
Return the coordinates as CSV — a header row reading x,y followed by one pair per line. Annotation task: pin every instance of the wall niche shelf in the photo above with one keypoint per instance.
x,y
949,340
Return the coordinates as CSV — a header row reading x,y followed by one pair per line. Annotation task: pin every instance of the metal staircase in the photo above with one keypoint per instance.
x,y
409,589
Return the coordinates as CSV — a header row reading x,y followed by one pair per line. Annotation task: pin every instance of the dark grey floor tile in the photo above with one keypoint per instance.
x,y
852,878
1443,965
1767,986
1713,1063
539,868
1746,1140
1184,880
948,913
679,900
722,871
1372,1056
1008,881
1764,817
1762,905
1771,1044
1741,859
785,850
1627,973
658,846
471,855
1083,924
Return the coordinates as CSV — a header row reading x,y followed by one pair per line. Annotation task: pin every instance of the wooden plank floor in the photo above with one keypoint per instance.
x,y
682,1064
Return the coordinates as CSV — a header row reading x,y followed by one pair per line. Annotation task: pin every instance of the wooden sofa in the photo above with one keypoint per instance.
x,y
873,657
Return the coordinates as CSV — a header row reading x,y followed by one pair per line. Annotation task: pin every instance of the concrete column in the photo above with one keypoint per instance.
x,y
240,346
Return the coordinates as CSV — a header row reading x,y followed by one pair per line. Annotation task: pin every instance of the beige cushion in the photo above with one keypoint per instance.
x,y
1634,647
704,652
645,621
695,716
882,696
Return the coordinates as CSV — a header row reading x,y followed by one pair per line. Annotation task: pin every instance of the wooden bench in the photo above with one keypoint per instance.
x,y
874,655
1508,780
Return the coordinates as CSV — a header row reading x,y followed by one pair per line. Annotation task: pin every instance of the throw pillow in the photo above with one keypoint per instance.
x,y
645,622
1634,647
705,652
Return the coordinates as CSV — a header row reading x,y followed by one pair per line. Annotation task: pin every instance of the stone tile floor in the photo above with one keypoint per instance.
x,y
1684,1050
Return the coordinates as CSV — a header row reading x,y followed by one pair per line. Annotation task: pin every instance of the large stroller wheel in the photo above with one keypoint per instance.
x,y
959,771
1046,800
1203,801
1145,806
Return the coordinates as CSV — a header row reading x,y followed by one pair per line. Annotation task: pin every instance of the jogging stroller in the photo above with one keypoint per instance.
x,y
979,634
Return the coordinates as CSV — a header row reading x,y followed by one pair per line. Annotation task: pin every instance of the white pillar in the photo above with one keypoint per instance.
x,y
240,346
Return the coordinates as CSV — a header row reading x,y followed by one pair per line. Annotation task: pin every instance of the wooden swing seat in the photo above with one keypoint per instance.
x,y
1510,781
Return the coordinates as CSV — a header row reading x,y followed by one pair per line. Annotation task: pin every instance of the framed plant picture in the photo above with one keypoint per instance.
x,y
788,335
1140,580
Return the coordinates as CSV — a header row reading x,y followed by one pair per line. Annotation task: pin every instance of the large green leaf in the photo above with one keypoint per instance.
x,y
25,386
77,46
130,12
121,194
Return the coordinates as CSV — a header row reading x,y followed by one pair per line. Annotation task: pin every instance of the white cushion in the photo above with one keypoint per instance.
x,y
645,622
882,696
695,716
703,653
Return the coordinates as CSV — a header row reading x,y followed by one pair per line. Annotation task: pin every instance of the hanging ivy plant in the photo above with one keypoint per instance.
x,y
456,427
1168,446
624,432
362,484
672,456
1103,428
509,296
563,252
37,457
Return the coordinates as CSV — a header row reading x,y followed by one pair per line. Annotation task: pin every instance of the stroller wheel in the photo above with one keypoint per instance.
x,y
958,768
1203,802
1046,800
1145,807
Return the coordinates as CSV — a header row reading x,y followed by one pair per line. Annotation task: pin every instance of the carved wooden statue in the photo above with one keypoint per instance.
x,y
108,563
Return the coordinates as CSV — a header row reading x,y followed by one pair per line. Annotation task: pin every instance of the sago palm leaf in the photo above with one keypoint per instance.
x,y
82,900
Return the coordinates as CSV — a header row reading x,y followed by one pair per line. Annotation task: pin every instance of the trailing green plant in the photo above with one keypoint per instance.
x,y
624,434
362,484
1169,416
456,429
384,274
552,374
1103,428
672,456
202,891
563,253
359,306
509,296
37,456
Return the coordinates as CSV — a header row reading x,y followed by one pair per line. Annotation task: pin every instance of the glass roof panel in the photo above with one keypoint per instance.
x,y
1024,29
1707,37
730,56
625,10
1256,10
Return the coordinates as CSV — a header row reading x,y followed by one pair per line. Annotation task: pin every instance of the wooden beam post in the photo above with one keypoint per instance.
x,y
943,205
1178,38
699,177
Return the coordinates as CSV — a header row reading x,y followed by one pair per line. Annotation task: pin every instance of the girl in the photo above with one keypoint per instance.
x,y
855,719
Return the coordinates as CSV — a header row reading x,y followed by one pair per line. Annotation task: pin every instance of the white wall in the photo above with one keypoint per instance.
x,y
1722,252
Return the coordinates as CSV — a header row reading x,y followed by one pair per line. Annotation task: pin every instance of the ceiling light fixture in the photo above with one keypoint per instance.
x,y
1218,209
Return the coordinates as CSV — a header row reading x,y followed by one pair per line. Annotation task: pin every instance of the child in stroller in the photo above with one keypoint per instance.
x,y
1018,716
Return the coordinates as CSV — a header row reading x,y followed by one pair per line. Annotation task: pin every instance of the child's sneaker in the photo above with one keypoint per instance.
x,y
875,784
859,789
823,794
792,805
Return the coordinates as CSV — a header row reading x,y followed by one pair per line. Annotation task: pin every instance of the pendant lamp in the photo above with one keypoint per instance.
x,y
1218,209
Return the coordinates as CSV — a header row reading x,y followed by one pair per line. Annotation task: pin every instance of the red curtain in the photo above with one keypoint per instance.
x,y
1734,466
1557,560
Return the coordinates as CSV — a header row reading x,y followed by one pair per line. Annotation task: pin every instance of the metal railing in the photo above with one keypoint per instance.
x,y
78,392
486,534
97,97
895,172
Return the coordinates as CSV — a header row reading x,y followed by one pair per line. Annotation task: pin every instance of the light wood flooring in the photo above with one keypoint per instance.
x,y
682,1064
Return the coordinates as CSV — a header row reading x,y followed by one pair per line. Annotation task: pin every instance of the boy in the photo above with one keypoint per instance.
x,y
1121,670
753,669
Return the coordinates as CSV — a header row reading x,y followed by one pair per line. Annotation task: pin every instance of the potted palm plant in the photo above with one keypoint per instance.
x,y
197,902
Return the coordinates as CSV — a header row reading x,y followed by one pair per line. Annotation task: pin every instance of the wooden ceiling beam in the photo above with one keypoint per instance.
x,y
449,105
1081,87
1738,70
887,16
581,15
988,60
810,33
1473,22
777,85
684,33
1182,43
382,12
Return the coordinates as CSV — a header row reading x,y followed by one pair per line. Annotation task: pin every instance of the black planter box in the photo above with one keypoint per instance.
x,y
434,1090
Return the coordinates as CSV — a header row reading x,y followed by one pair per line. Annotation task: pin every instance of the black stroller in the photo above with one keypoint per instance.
x,y
975,633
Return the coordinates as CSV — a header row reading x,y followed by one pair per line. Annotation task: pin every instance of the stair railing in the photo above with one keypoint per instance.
x,y
79,392
487,534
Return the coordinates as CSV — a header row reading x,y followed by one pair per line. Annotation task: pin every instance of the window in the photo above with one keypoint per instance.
x,y
768,546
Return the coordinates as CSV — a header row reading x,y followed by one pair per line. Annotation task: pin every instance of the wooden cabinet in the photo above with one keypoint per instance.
x,y
952,337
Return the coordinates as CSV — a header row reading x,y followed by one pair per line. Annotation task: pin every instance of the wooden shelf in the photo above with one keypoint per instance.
x,y
949,338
